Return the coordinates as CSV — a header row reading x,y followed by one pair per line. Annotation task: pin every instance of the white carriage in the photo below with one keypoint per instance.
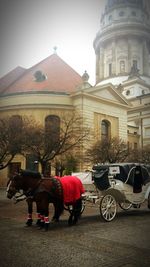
x,y
123,184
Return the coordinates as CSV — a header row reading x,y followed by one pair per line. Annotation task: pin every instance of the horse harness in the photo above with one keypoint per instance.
x,y
54,189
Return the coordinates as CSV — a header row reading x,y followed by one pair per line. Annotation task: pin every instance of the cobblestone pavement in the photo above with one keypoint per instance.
x,y
124,242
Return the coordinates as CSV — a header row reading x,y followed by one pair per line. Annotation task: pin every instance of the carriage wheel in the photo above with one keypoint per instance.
x,y
125,205
149,201
83,206
108,208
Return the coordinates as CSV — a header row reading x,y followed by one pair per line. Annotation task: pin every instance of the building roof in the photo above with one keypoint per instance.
x,y
10,78
50,75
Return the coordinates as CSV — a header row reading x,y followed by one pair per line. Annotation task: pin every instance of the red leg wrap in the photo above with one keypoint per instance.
x,y
29,216
46,219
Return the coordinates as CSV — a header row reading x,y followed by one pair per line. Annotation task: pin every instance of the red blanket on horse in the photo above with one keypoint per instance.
x,y
72,187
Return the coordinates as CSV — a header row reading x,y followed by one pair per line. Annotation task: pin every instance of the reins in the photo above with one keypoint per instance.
x,y
26,194
19,198
31,191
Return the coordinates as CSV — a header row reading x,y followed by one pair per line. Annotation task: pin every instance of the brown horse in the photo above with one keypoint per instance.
x,y
59,191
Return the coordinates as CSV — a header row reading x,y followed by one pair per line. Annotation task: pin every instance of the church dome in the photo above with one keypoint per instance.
x,y
114,3
123,39
125,11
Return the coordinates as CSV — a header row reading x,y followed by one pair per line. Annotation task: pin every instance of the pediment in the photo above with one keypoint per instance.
x,y
108,92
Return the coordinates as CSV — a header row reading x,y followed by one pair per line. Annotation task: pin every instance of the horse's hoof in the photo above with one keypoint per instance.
x,y
38,222
70,222
46,226
54,219
41,225
29,222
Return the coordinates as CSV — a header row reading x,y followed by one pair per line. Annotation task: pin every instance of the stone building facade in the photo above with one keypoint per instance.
x,y
22,94
120,98
122,48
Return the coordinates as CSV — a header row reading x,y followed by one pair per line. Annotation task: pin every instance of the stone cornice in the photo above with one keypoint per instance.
x,y
36,106
83,94
140,116
118,30
108,86
28,100
140,108
134,81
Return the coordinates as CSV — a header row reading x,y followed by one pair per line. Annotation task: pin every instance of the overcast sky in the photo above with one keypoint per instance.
x,y
29,29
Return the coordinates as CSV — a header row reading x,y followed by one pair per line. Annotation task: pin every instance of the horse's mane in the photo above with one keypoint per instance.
x,y
33,174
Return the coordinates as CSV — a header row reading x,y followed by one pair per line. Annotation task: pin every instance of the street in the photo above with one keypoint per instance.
x,y
124,242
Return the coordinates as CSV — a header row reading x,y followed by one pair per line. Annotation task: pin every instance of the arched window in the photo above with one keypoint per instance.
x,y
15,133
52,128
122,66
121,13
110,18
110,69
105,129
135,64
133,13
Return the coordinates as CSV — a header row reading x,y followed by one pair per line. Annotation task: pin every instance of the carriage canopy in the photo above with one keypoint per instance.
x,y
129,173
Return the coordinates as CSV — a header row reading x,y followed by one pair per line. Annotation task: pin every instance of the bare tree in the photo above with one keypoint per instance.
x,y
10,139
141,155
111,151
48,142
66,164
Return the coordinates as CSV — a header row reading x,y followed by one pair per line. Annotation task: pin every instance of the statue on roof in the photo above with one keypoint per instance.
x,y
55,49
134,70
85,77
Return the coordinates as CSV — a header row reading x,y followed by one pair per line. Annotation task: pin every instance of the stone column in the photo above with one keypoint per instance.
x,y
145,59
114,57
129,56
101,63
97,66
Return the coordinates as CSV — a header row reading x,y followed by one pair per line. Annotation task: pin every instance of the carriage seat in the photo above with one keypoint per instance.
x,y
132,174
100,177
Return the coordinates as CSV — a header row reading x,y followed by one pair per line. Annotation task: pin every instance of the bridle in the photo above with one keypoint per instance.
x,y
17,194
20,194
19,197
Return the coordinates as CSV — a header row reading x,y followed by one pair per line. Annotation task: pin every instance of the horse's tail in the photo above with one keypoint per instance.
x,y
61,206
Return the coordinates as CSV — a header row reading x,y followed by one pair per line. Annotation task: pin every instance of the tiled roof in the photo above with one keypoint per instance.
x,y
58,77
11,77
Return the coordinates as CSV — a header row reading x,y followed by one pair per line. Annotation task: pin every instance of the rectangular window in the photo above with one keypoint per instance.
x,y
135,63
129,145
147,132
122,66
135,145
110,69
